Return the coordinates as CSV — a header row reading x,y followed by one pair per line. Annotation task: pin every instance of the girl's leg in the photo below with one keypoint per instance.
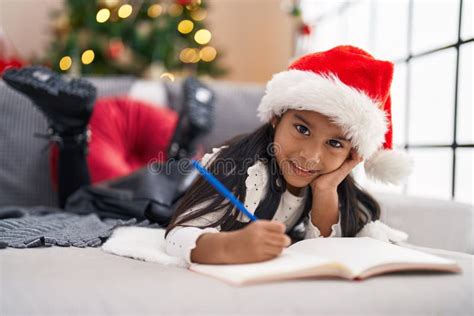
x,y
196,119
67,105
72,167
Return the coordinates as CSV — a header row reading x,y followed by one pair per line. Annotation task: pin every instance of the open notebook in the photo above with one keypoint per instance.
x,y
348,258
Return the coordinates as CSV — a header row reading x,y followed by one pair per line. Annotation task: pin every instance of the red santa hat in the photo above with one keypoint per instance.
x,y
352,88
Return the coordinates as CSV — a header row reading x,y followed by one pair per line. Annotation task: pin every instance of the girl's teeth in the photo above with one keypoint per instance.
x,y
301,168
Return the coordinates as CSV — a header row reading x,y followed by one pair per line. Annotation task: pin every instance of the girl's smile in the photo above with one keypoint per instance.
x,y
301,171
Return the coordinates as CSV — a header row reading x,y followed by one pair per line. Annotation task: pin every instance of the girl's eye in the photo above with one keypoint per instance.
x,y
302,129
334,143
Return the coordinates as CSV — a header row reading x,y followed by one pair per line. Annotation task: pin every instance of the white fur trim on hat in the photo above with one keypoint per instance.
x,y
389,166
360,117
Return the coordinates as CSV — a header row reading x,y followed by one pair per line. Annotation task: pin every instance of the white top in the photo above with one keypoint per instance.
x,y
181,240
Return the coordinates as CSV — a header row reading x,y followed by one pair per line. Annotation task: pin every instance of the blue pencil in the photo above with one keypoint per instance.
x,y
222,190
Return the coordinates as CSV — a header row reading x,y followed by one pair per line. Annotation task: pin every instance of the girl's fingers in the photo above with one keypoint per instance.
x,y
344,170
274,226
272,250
279,240
335,177
347,166
353,161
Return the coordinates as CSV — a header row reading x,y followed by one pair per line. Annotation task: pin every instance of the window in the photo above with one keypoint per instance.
x,y
431,44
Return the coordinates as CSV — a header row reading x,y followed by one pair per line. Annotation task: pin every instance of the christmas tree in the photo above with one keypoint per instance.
x,y
142,37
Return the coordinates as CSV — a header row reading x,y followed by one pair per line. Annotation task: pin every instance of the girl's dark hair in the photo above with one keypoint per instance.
x,y
230,166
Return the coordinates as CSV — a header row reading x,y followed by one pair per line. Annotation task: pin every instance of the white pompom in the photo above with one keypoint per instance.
x,y
389,166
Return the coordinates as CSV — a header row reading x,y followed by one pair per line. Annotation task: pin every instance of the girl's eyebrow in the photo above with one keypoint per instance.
x,y
338,137
302,119
341,138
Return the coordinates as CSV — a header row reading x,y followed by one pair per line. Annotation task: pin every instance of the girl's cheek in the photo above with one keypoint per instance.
x,y
334,163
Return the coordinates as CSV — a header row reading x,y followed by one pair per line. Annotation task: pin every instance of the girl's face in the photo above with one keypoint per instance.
x,y
307,144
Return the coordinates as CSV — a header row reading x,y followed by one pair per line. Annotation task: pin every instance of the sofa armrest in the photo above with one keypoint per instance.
x,y
430,222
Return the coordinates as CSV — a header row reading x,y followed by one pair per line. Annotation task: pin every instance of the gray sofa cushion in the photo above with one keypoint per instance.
x,y
24,166
73,281
236,108
24,171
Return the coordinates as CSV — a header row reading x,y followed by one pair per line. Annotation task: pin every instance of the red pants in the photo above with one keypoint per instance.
x,y
126,135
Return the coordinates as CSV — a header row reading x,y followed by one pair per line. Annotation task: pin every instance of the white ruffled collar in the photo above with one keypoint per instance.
x,y
292,199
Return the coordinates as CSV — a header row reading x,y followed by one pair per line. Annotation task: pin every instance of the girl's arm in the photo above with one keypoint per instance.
x,y
211,248
258,241
325,211
182,239
325,208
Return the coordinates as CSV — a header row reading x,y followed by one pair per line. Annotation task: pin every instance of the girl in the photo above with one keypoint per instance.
x,y
324,115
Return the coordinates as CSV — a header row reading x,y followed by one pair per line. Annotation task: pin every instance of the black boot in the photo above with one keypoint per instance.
x,y
67,105
195,120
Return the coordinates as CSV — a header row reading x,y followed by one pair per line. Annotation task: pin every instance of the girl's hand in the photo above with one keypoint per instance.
x,y
259,241
330,181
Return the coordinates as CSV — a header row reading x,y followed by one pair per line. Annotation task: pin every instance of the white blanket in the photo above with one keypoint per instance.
x,y
147,244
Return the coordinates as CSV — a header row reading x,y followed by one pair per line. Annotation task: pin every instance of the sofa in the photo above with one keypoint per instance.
x,y
88,281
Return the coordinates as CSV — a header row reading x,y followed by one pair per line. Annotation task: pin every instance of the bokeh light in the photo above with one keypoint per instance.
x,y
202,36
102,15
155,10
199,14
189,55
88,57
125,11
208,53
168,76
185,26
175,10
65,63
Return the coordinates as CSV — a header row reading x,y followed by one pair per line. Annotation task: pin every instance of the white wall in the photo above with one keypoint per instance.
x,y
26,24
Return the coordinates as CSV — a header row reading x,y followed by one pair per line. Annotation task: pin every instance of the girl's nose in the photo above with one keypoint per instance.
x,y
311,156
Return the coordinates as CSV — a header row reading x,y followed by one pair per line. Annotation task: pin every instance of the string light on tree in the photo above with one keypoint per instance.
x,y
202,36
125,11
185,26
195,57
199,14
65,63
175,10
87,57
168,76
155,11
208,54
113,37
110,3
193,5
189,55
103,15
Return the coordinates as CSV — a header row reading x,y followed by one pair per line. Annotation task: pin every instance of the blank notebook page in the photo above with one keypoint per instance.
x,y
362,253
287,262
